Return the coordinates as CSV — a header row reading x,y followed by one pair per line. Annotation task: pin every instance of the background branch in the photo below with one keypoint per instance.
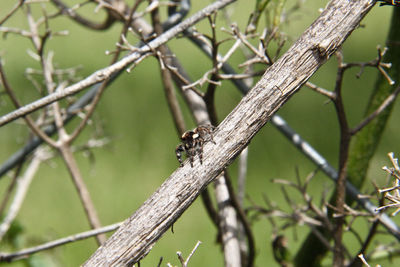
x,y
21,191
59,242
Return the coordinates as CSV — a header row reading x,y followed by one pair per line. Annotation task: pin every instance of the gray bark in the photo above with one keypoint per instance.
x,y
140,232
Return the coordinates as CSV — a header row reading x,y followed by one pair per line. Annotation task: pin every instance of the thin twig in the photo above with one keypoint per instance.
x,y
183,262
367,241
7,30
322,91
375,63
12,11
387,102
361,257
32,125
260,54
169,89
63,9
9,189
22,188
197,108
56,243
82,190
338,258
192,252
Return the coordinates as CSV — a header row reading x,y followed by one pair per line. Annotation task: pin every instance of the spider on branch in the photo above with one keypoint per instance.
x,y
193,142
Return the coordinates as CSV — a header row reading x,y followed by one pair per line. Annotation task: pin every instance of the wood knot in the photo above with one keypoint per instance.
x,y
326,48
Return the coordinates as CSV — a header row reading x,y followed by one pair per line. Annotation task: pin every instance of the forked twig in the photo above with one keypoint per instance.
x,y
185,263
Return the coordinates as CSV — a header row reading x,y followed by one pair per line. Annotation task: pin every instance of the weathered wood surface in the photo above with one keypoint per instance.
x,y
140,232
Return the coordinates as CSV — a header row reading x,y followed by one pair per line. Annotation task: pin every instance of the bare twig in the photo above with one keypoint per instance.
x,y
258,52
192,252
7,30
322,91
392,193
387,102
375,63
12,11
185,263
56,243
22,188
361,257
338,258
167,79
32,125
82,190
71,12
367,241
9,190
225,195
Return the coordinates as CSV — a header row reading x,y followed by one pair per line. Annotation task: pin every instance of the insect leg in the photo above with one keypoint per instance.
x,y
178,151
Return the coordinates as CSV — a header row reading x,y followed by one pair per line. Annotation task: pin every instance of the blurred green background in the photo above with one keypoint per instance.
x,y
134,115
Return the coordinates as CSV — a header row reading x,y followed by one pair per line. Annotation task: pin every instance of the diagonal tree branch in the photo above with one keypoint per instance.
x,y
139,233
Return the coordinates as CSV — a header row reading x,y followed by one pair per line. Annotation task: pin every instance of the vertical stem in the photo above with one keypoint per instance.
x,y
167,78
228,224
83,193
338,255
9,190
23,183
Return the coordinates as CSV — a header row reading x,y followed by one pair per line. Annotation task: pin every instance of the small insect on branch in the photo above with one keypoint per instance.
x,y
193,142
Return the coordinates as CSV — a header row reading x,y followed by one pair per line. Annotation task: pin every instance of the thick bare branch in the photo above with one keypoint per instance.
x,y
139,233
